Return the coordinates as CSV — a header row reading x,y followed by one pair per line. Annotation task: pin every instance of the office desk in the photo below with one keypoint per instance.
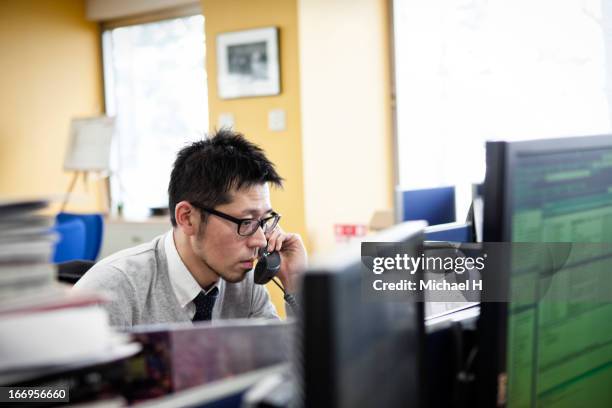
x,y
177,365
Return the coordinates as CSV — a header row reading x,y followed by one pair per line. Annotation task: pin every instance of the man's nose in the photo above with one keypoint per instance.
x,y
258,239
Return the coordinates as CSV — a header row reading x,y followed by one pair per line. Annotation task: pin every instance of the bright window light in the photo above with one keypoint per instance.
x,y
471,71
155,83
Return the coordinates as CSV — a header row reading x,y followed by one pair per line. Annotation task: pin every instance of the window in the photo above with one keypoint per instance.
x,y
471,71
155,85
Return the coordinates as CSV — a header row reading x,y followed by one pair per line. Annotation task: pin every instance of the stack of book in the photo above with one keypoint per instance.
x,y
26,246
42,323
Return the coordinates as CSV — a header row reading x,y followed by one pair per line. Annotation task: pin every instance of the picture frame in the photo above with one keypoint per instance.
x,y
248,63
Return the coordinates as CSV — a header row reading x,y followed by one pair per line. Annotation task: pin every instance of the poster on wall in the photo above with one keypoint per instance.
x,y
247,63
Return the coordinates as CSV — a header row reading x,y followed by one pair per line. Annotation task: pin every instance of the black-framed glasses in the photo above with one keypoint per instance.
x,y
247,226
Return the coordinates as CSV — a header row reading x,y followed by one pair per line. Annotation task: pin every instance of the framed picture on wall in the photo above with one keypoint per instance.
x,y
247,63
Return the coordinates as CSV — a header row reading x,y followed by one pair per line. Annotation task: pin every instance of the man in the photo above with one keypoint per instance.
x,y
221,215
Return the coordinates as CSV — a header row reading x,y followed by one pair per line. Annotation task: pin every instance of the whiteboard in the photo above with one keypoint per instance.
x,y
89,144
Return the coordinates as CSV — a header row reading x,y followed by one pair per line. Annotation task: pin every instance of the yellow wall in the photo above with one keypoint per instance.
x,y
251,114
346,113
49,73
335,81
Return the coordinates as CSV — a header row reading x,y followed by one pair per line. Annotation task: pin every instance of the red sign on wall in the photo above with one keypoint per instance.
x,y
344,232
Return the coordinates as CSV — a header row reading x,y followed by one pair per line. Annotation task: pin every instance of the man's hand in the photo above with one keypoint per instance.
x,y
293,256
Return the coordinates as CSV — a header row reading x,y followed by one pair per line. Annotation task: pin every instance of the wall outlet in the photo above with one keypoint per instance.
x,y
277,120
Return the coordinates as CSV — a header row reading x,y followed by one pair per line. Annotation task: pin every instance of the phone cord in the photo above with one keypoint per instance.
x,y
289,298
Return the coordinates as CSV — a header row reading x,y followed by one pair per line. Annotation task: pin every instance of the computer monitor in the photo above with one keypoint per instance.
x,y
357,352
533,353
434,205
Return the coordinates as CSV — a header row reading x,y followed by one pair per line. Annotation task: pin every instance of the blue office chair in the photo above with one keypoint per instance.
x,y
435,205
71,243
94,231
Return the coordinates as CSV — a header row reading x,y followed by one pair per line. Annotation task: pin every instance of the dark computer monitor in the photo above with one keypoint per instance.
x,y
532,353
355,352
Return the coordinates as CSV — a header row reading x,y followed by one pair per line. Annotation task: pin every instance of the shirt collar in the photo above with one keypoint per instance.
x,y
184,285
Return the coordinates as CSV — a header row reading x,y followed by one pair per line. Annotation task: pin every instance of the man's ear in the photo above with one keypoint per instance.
x,y
187,218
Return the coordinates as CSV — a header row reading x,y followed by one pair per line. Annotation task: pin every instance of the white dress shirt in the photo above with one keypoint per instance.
x,y
185,287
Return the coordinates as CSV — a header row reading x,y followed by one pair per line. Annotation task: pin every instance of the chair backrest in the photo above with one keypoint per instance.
x,y
94,232
71,243
71,271
435,205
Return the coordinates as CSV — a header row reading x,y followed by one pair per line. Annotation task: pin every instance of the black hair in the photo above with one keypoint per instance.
x,y
205,171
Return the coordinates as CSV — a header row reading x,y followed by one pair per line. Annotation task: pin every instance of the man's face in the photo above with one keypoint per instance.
x,y
218,244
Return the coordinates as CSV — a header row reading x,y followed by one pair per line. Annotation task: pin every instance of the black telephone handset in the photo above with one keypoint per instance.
x,y
267,268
